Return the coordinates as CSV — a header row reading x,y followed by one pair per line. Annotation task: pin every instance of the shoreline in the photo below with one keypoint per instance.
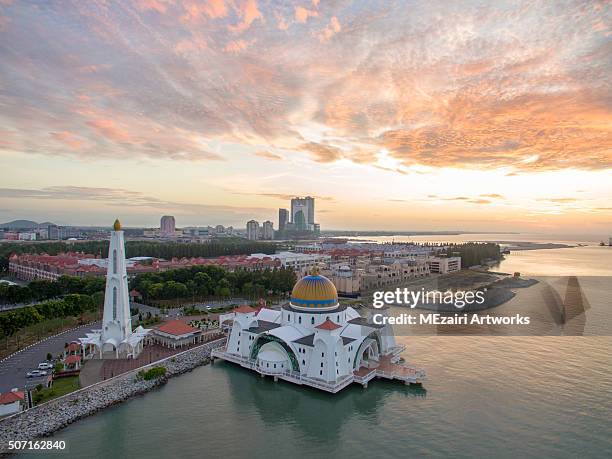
x,y
50,417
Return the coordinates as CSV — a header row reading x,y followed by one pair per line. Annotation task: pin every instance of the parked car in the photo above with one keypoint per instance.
x,y
36,373
45,366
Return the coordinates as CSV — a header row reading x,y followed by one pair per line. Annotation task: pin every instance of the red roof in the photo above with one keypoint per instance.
x,y
11,397
134,292
244,309
177,327
328,325
72,359
74,347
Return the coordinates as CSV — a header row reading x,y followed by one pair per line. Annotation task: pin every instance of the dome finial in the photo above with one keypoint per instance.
x,y
117,225
314,271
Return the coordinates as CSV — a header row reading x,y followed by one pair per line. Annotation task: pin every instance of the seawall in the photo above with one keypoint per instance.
x,y
49,417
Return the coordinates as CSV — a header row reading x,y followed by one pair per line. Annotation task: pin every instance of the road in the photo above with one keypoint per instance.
x,y
14,368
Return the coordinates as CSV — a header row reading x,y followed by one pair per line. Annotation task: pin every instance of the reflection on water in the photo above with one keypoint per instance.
x,y
502,396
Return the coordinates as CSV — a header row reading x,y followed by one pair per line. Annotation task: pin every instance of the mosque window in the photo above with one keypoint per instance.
x,y
114,303
338,318
312,321
288,318
115,261
300,319
303,362
321,373
322,354
274,365
321,364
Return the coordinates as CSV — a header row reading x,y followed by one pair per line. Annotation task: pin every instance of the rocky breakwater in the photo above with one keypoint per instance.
x,y
45,419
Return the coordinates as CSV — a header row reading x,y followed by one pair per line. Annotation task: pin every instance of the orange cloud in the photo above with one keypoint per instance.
x,y
322,153
195,11
268,155
302,14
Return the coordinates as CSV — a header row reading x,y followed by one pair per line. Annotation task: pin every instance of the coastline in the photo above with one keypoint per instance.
x,y
45,419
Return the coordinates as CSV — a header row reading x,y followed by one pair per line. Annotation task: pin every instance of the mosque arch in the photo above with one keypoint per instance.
x,y
263,339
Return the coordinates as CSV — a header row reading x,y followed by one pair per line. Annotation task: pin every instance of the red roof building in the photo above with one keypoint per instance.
x,y
328,325
176,334
244,310
11,397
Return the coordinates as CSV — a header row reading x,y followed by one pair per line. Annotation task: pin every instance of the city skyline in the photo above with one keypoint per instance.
x,y
394,116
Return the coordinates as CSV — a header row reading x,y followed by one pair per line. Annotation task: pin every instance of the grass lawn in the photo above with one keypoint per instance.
x,y
60,387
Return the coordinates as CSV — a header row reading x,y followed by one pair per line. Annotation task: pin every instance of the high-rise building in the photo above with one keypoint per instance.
x,y
302,213
167,226
252,230
283,219
268,230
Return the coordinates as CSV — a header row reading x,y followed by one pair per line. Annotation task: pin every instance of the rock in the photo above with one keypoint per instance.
x,y
44,420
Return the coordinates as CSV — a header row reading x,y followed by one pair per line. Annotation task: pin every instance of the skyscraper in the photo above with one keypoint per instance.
x,y
252,230
302,213
268,230
283,218
167,226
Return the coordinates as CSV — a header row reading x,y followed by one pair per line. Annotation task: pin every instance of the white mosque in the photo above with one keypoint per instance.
x,y
315,341
115,339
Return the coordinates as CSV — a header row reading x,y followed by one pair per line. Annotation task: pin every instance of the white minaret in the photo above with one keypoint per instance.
x,y
116,321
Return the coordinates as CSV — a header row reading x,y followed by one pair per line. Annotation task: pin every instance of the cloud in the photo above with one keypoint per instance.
x,y
115,197
69,139
285,196
330,30
559,200
249,12
322,153
302,14
492,196
268,155
459,90
236,46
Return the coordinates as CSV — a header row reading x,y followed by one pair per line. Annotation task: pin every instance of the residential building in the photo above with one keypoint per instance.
x,y
167,226
11,402
252,230
267,230
283,219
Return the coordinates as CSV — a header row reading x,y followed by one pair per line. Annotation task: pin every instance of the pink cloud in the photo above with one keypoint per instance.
x,y
302,14
109,129
154,5
236,46
68,138
195,11
332,29
248,11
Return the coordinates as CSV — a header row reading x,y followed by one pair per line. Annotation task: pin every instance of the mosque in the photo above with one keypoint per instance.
x,y
315,341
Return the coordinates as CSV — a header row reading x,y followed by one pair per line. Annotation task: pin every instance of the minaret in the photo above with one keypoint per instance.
x,y
116,321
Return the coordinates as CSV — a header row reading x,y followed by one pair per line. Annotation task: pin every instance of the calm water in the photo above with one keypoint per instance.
x,y
485,396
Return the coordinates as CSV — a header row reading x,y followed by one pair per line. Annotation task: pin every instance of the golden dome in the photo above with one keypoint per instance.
x,y
117,225
314,292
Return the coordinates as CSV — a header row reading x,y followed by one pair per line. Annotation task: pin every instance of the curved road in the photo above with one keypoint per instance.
x,y
14,368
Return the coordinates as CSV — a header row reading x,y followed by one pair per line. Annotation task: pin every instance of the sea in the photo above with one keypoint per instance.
x,y
486,395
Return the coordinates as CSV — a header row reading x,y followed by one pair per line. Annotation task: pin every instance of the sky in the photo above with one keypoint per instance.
x,y
398,115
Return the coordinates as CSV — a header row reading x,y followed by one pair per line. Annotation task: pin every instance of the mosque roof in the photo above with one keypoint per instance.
x,y
314,292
